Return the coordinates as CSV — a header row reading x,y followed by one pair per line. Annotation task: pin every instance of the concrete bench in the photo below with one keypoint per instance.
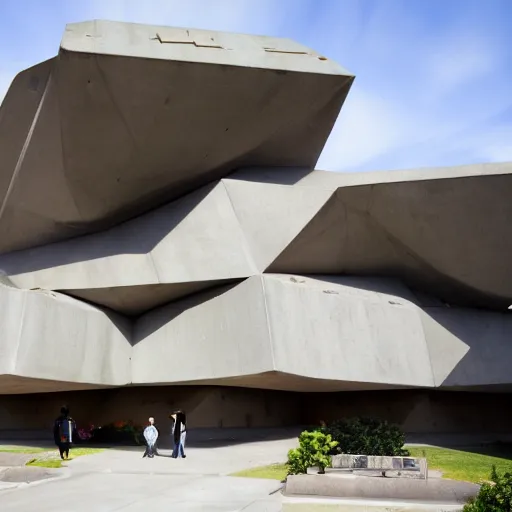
x,y
373,465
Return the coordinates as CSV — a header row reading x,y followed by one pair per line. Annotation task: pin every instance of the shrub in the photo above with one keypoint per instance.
x,y
313,450
85,433
118,432
495,496
366,436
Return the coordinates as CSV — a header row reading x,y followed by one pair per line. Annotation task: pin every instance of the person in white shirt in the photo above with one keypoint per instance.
x,y
151,436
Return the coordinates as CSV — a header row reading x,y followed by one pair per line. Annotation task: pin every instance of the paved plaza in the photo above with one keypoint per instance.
x,y
120,479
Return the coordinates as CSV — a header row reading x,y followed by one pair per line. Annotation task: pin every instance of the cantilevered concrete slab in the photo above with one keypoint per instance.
x,y
449,237
368,334
129,116
430,233
189,245
50,337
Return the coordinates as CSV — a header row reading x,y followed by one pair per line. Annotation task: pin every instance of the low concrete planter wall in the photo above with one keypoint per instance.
x,y
433,490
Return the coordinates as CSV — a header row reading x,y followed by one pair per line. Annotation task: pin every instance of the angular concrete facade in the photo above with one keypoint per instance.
x,y
161,224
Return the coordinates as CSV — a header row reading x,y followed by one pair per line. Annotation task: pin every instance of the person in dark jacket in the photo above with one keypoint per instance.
x,y
179,434
64,429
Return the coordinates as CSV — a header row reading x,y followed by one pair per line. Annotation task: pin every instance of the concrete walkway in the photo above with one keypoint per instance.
x,y
120,479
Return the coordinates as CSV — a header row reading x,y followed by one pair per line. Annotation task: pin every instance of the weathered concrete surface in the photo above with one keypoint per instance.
x,y
420,231
106,137
121,478
47,335
28,474
9,459
182,248
369,334
205,233
310,504
435,490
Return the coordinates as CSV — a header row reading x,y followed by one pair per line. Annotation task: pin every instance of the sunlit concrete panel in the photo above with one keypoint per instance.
x,y
11,318
307,177
271,216
342,329
183,247
46,335
128,117
214,335
289,333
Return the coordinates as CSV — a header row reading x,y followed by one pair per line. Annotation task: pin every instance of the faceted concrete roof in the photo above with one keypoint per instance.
x,y
127,117
438,235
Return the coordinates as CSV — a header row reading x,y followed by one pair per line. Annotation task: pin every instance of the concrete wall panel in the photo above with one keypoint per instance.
x,y
195,239
212,335
271,216
51,336
12,308
328,330
423,232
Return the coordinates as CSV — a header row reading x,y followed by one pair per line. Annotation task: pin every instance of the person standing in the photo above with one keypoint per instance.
x,y
151,436
179,435
172,417
64,429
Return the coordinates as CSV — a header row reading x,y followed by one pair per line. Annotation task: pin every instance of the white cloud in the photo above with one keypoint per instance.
x,y
434,97
461,60
367,127
222,15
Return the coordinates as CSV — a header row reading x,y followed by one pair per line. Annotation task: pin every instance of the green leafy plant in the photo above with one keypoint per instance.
x,y
366,436
124,432
494,496
313,450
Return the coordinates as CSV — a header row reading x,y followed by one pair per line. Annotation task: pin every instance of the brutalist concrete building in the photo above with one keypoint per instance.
x,y
165,241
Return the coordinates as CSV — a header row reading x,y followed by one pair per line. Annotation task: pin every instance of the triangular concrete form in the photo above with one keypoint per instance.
x,y
123,125
135,300
194,240
421,231
271,216
52,337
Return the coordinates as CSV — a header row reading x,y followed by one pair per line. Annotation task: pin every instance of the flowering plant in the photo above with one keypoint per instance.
x,y
85,434
117,432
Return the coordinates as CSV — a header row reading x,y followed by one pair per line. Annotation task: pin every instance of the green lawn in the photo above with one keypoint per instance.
x,y
465,465
22,449
455,464
48,463
56,462
272,472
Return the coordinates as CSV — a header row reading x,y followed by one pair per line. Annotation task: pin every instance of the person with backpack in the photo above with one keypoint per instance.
x,y
64,430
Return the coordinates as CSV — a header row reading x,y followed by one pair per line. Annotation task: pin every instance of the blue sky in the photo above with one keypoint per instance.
x,y
433,77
